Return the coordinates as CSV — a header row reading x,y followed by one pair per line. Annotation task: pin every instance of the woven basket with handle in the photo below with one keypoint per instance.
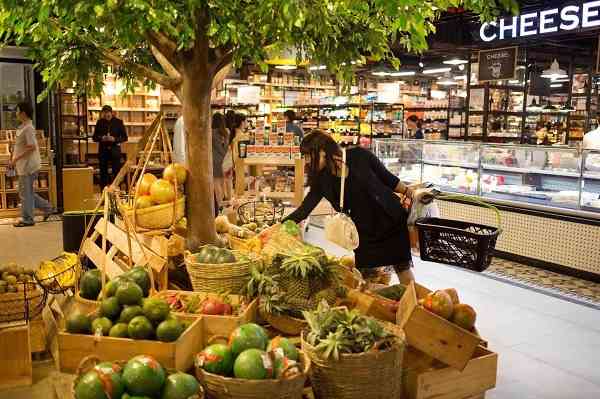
x,y
370,375
289,386
223,277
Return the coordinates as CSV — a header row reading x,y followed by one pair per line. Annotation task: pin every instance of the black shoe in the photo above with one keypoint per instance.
x,y
23,224
49,213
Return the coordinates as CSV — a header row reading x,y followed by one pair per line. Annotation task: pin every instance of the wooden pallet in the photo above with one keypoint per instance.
x,y
15,352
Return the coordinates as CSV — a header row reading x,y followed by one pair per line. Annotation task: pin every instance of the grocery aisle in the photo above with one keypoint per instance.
x,y
548,348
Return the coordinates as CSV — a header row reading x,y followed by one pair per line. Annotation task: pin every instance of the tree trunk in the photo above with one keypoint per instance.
x,y
196,92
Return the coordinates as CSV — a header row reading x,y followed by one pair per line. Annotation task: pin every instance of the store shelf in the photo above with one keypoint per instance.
x,y
452,164
274,194
93,123
511,169
270,161
126,109
171,104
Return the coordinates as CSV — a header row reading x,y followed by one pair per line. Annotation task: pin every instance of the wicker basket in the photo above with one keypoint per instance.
x,y
239,244
223,277
288,387
156,217
369,375
26,304
89,362
286,324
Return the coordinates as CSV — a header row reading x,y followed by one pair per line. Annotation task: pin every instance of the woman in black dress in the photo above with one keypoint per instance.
x,y
370,201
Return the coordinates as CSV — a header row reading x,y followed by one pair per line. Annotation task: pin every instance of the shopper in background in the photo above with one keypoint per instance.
x,y
27,161
109,133
371,202
291,126
238,129
415,124
179,143
220,139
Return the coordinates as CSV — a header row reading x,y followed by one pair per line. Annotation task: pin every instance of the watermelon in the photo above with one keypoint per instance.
x,y
143,376
112,370
289,349
140,276
253,364
248,336
96,384
180,386
90,284
216,359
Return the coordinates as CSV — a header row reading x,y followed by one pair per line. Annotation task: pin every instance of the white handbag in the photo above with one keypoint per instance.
x,y
339,228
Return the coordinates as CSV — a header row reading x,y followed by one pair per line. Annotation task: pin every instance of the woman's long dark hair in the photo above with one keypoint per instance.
x,y
312,145
218,125
238,119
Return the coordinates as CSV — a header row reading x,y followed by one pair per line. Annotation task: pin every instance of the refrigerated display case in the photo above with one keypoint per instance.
x,y
548,196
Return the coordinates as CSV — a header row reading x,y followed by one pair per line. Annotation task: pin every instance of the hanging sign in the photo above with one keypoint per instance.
x,y
248,94
498,64
582,15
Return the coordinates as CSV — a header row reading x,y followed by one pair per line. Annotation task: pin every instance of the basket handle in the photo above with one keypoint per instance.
x,y
215,338
284,373
86,362
475,201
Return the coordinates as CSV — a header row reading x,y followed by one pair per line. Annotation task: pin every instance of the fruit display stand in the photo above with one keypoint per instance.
x,y
432,334
15,352
216,325
424,378
295,196
72,348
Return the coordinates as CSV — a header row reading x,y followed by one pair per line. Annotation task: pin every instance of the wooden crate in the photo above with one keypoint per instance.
x,y
424,379
219,325
15,352
371,304
433,334
179,355
37,335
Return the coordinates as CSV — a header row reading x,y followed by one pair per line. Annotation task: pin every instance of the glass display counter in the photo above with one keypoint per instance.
x,y
548,196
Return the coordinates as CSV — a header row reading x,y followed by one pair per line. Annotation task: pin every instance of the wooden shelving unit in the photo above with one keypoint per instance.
x,y
73,129
171,108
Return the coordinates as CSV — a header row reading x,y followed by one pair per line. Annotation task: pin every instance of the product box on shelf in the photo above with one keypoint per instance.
x,y
425,378
432,334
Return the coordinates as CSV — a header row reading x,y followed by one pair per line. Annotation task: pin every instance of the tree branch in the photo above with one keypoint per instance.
x,y
224,61
165,63
163,80
164,45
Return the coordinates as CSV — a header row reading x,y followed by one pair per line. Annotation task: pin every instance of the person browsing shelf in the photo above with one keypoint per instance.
x,y
371,202
109,134
291,126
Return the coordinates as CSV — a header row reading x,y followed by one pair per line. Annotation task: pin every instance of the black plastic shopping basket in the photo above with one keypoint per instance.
x,y
458,243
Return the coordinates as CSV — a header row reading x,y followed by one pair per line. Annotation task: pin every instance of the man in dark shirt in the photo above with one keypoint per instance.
x,y
109,133
290,126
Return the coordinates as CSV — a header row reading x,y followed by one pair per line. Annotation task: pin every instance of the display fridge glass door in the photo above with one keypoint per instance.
x,y
17,86
590,186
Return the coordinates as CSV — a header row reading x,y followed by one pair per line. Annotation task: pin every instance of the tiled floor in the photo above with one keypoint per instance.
x,y
549,348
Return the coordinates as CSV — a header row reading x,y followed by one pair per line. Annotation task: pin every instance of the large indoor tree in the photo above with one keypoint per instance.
x,y
185,45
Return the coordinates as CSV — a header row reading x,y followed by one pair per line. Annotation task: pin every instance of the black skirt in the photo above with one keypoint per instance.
x,y
386,250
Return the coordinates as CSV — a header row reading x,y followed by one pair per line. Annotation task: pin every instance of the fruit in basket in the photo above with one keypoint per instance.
x,y
281,363
90,284
207,254
147,180
140,276
440,304
253,364
143,201
144,376
113,371
156,309
119,330
129,293
169,330
212,306
101,326
78,323
175,173
129,312
180,386
11,279
110,308
453,294
96,384
222,224
3,286
289,350
224,256
248,336
140,328
464,316
216,359
162,192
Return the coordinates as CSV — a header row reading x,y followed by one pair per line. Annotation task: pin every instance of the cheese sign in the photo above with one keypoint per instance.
x,y
498,64
566,18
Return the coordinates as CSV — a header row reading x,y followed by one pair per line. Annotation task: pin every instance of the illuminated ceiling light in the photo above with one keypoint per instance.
x,y
460,77
379,73
436,70
317,68
421,65
402,73
560,80
456,61
520,66
556,85
554,72
286,67
514,82
461,67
